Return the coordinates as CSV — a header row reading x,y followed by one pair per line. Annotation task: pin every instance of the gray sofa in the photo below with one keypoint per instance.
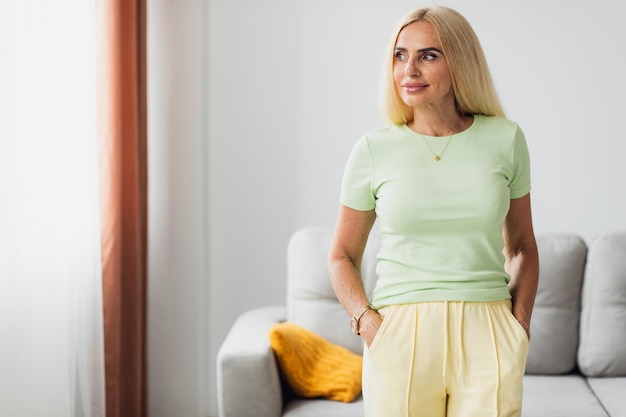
x,y
577,360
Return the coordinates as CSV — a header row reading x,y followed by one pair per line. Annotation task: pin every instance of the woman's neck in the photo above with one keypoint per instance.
x,y
439,124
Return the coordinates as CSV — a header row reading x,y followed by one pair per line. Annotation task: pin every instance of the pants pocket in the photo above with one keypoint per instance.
x,y
515,323
386,313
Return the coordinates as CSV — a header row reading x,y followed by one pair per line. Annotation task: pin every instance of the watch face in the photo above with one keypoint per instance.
x,y
353,324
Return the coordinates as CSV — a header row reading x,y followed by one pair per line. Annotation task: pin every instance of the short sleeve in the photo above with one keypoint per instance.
x,y
519,183
356,187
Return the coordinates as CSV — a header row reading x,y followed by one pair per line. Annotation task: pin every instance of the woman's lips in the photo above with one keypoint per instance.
x,y
414,87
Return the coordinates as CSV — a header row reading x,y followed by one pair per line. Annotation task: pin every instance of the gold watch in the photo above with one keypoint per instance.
x,y
354,322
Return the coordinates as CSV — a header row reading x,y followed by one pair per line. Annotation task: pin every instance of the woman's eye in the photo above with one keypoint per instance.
x,y
399,55
429,57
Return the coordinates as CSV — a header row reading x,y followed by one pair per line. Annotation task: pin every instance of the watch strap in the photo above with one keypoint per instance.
x,y
357,317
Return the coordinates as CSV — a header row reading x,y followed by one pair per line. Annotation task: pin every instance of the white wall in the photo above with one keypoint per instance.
x,y
262,129
178,282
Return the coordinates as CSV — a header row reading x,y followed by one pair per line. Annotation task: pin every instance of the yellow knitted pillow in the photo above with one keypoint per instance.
x,y
314,367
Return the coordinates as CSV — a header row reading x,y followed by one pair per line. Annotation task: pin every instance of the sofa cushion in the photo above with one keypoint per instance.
x,y
311,301
558,396
603,317
323,408
314,367
610,392
554,325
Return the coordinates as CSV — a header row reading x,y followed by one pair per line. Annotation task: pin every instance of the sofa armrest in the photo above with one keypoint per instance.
x,y
248,380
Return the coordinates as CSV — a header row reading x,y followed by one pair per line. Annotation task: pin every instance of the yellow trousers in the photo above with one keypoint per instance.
x,y
452,359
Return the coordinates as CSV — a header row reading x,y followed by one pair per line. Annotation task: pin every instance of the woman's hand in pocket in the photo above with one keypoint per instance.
x,y
369,325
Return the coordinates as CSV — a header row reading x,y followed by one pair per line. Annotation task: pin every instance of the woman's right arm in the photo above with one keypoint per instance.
x,y
344,265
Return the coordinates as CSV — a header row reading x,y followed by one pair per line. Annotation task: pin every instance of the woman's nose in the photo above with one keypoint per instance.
x,y
411,68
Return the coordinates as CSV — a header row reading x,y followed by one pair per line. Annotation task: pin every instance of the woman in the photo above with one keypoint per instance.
x,y
447,329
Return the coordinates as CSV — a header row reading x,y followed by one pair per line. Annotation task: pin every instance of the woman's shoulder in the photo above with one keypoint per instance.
x,y
497,123
500,132
385,133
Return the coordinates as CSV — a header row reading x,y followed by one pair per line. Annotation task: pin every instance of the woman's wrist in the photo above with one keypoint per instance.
x,y
355,321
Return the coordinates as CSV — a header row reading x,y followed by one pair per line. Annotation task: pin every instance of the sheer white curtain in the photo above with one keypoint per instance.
x,y
51,356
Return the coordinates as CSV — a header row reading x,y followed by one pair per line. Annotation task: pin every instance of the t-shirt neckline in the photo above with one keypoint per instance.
x,y
472,127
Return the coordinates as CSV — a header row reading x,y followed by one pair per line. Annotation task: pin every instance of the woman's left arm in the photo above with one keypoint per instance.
x,y
522,260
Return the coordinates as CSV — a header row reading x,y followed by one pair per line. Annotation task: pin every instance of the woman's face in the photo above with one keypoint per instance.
x,y
420,70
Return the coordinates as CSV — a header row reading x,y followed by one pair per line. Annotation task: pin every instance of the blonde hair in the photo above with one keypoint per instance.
x,y
472,85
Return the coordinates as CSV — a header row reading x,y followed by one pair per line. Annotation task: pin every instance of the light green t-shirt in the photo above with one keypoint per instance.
x,y
440,221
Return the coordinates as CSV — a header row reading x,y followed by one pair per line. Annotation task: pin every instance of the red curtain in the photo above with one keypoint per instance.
x,y
123,196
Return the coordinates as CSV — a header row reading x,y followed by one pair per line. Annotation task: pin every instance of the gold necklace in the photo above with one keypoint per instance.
x,y
438,156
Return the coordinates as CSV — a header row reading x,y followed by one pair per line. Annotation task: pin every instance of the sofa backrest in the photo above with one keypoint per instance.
x,y
311,301
554,326
602,351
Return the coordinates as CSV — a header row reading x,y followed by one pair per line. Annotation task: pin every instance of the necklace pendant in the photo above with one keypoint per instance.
x,y
437,157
